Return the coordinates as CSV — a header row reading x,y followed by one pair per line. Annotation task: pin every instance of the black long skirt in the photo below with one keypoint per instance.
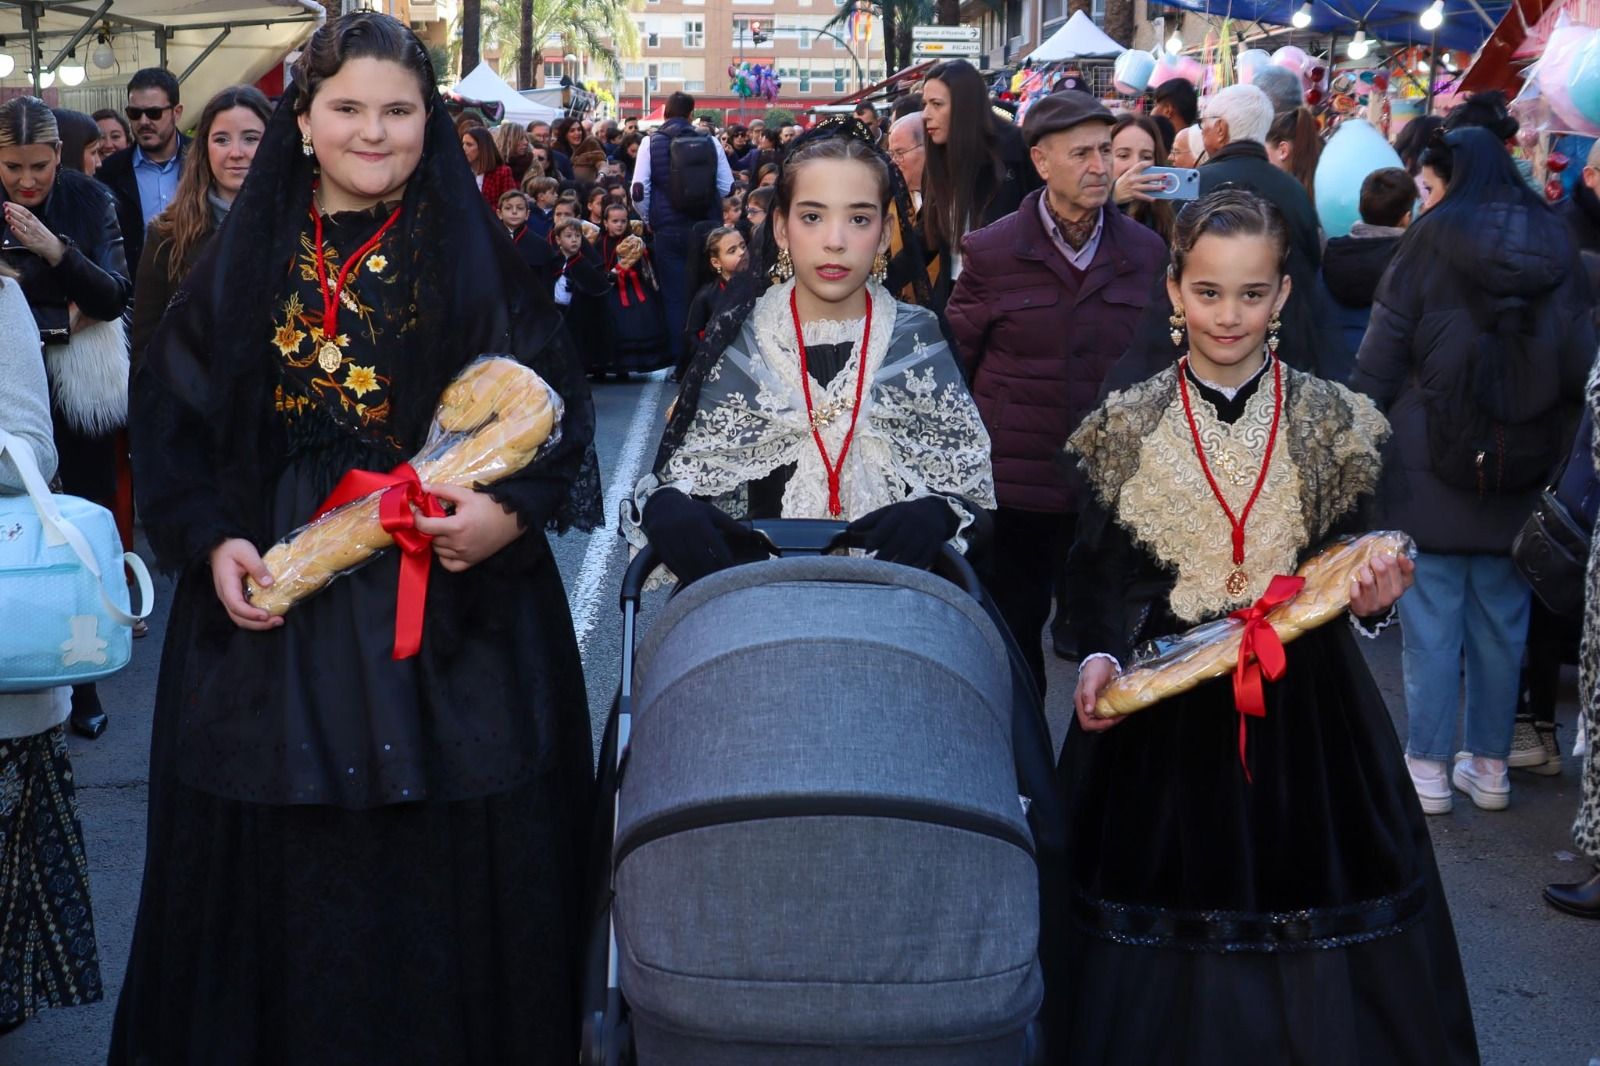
x,y
428,934
442,931
1294,916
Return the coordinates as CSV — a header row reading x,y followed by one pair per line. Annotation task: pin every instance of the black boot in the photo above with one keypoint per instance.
x,y
1581,899
88,719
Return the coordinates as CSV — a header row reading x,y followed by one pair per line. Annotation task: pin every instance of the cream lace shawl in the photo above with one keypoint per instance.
x,y
918,432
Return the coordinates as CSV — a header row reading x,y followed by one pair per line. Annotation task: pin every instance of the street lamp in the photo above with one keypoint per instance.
x,y
1433,17
1302,18
71,73
1359,46
1175,43
7,65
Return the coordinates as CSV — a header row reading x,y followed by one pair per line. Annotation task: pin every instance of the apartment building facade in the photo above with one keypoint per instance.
x,y
688,45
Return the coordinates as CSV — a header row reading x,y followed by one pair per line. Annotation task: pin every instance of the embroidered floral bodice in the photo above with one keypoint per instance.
x,y
374,309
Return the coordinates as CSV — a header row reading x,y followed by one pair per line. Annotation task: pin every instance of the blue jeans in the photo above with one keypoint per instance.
x,y
1472,604
671,256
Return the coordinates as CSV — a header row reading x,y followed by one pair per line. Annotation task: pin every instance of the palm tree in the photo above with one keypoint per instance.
x,y
599,28
471,28
1119,21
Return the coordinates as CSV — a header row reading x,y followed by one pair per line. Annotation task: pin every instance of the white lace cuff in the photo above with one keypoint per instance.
x,y
1373,631
1107,656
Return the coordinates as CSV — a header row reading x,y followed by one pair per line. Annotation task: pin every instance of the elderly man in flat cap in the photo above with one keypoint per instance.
x,y
1047,301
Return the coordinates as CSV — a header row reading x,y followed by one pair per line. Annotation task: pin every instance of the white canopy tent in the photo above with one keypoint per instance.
x,y
484,84
1080,38
207,44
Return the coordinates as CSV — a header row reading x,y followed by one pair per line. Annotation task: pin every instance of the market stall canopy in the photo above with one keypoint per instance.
x,y
1467,23
1521,36
1080,38
484,84
207,44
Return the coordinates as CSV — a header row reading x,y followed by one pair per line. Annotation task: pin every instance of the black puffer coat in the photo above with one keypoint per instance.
x,y
1426,321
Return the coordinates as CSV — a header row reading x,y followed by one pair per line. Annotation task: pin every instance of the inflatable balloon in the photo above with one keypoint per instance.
x,y
1168,67
1250,61
1132,71
1355,150
1583,82
1554,73
1292,58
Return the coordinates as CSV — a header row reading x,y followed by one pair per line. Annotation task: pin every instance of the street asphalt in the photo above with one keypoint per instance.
x,y
1534,974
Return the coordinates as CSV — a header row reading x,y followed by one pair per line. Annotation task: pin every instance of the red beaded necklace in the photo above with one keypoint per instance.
x,y
1237,582
819,419
329,357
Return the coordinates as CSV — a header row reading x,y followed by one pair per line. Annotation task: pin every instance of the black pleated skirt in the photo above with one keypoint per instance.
x,y
1292,916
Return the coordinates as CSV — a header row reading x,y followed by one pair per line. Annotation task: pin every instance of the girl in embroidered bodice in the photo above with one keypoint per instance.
x,y
1279,897
328,820
816,394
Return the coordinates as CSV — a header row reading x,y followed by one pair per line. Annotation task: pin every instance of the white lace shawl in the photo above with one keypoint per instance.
x,y
918,432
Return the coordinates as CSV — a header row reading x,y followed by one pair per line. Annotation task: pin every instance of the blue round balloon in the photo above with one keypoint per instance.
x,y
1583,79
1355,150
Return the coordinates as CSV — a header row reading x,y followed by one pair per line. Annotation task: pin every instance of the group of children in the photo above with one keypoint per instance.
x,y
593,256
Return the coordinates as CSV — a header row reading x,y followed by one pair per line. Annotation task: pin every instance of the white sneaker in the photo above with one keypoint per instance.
x,y
1433,789
1485,780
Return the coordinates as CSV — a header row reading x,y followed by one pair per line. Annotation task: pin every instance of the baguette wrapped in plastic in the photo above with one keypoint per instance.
x,y
492,421
1212,650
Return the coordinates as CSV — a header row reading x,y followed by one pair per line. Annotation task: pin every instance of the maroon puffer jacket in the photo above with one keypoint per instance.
x,y
1036,343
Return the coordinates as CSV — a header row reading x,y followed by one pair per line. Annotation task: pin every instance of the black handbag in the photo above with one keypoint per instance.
x,y
1551,551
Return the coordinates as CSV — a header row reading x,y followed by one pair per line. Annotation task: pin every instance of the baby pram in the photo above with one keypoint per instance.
x,y
819,852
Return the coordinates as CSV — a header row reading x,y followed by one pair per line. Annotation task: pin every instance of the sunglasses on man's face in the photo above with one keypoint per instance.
x,y
152,113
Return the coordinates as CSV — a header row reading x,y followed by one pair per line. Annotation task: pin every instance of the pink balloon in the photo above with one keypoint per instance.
x,y
1292,58
1185,67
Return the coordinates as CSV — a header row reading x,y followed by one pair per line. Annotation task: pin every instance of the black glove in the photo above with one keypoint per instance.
x,y
910,532
693,538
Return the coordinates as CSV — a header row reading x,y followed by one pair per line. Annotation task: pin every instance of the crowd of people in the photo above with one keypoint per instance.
x,y
936,324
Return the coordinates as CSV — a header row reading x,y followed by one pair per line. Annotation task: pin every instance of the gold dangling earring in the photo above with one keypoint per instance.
x,y
783,269
305,145
880,268
1272,333
1178,323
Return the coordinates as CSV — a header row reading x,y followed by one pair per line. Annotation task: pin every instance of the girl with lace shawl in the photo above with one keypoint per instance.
x,y
818,395
1266,883
353,858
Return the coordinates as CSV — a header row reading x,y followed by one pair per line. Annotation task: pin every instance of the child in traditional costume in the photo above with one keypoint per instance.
x,y
358,852
817,395
724,257
1251,879
579,287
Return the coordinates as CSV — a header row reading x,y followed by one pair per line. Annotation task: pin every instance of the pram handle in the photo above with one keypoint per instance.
x,y
804,536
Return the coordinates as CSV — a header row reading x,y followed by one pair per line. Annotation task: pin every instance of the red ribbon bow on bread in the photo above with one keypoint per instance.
x,y
1261,655
625,275
402,491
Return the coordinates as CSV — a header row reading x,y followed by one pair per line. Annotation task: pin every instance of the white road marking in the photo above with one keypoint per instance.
x,y
643,432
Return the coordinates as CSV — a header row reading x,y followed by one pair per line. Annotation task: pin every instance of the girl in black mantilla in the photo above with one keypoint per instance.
x,y
353,858
1277,902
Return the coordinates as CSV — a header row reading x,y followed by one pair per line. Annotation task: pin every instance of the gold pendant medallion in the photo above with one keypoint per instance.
x,y
1237,583
329,357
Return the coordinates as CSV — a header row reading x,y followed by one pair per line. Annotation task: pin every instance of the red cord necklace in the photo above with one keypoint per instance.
x,y
1237,582
329,357
821,418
